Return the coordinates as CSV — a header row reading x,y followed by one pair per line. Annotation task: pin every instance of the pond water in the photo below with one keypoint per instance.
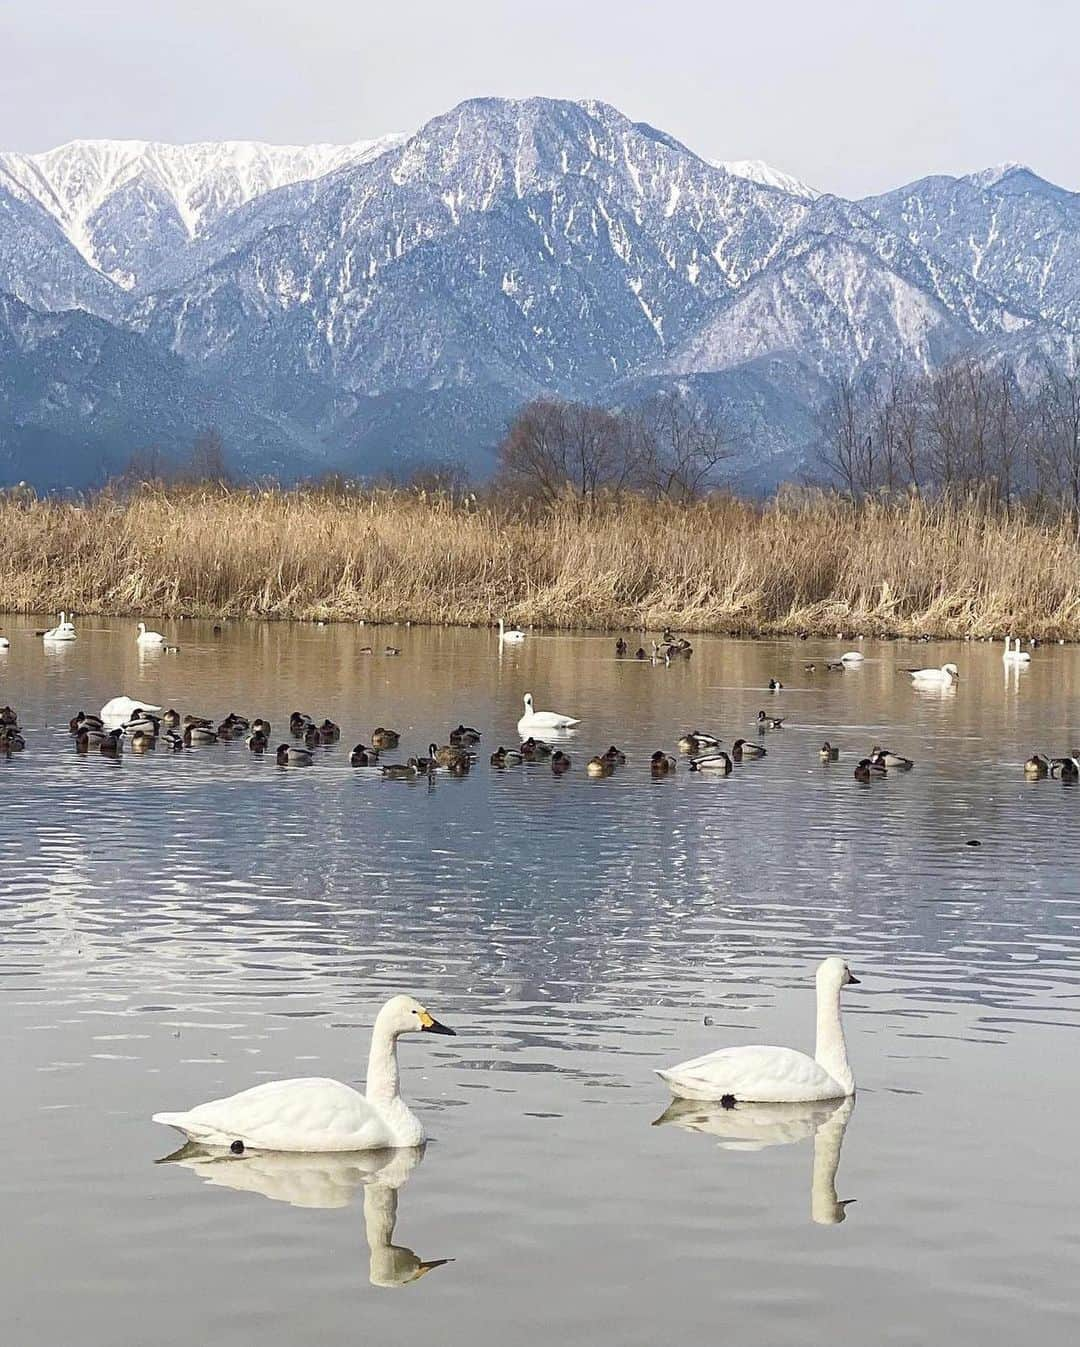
x,y
176,927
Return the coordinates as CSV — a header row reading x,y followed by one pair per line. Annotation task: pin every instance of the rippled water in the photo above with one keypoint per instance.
x,y
177,927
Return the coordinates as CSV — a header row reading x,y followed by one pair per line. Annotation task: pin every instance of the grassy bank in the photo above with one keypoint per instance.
x,y
723,564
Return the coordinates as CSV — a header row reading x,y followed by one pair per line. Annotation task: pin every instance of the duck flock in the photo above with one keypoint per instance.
x,y
125,724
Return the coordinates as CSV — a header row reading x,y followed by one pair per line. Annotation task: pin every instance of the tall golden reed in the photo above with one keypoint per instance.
x,y
390,555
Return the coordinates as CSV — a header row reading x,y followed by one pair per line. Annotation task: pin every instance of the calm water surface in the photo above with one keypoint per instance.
x,y
177,927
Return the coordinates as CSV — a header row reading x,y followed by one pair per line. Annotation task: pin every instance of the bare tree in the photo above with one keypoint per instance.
x,y
679,449
207,462
1058,444
555,446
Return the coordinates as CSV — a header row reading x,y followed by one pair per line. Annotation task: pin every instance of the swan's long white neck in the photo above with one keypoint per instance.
x,y
830,1051
382,1085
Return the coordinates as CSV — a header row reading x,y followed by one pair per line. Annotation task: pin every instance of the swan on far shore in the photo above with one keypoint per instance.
x,y
313,1114
1015,656
852,657
149,637
543,720
771,1075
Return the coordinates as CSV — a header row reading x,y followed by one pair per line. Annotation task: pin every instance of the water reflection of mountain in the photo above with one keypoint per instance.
x,y
523,886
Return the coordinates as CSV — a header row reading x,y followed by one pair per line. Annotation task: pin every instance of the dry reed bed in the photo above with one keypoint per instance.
x,y
384,556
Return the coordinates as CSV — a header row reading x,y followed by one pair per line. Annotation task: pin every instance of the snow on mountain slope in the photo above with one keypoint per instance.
x,y
757,170
97,190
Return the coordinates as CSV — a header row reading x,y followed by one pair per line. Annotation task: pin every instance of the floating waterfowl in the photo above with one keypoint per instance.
x,y
125,708
712,762
598,767
1013,654
852,657
402,771
697,742
329,733
143,741
510,635
535,750
465,736
543,720
292,755
762,1074
770,722
560,763
615,756
943,677
1037,766
112,744
507,757
362,756
199,734
829,753
258,742
866,769
661,763
741,749
383,739
321,1115
885,757
775,685
298,724
63,631
639,653
621,648
145,637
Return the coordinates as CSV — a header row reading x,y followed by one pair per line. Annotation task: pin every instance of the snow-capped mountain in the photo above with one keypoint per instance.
x,y
388,301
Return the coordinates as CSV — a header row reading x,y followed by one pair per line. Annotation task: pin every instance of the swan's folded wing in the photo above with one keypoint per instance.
x,y
759,1073
311,1114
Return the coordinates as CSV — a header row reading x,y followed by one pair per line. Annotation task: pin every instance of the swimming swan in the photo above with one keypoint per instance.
x,y
1015,656
510,635
313,1114
943,677
149,637
771,1075
852,657
123,709
63,631
543,720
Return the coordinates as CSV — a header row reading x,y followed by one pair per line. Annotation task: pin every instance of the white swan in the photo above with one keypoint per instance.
x,y
122,709
149,637
852,657
313,1114
543,720
5,644
511,635
943,677
777,1075
63,631
1016,656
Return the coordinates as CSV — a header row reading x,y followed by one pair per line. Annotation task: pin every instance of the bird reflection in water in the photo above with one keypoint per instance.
x,y
325,1180
754,1127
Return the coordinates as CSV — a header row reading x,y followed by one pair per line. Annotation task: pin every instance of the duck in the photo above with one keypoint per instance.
x,y
9,716
382,738
770,722
447,756
198,723
866,769
171,718
173,742
835,665
142,741
510,635
661,763
310,736
329,733
712,762
1013,654
147,723
852,657
1067,768
460,765
402,771
1037,766
775,685
199,734
829,752
597,766
621,648
560,763
615,756
943,677
298,724
89,738
809,668
697,742
362,756
885,757
82,721
125,708
543,720
535,750
292,755
63,631
111,744
314,1114
465,736
145,637
260,726
11,740
257,742
640,653
741,749
760,1074
390,650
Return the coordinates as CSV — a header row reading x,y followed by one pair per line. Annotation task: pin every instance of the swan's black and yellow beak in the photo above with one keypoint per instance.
x,y
432,1026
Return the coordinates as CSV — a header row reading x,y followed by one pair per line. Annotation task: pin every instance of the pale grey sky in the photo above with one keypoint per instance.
x,y
852,97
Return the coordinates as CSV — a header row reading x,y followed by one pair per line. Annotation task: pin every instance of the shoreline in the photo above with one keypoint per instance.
x,y
721,566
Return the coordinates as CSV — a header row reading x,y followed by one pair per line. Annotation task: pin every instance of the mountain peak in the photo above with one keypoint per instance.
x,y
757,170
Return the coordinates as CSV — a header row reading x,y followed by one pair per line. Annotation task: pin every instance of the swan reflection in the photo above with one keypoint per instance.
x,y
325,1180
754,1127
